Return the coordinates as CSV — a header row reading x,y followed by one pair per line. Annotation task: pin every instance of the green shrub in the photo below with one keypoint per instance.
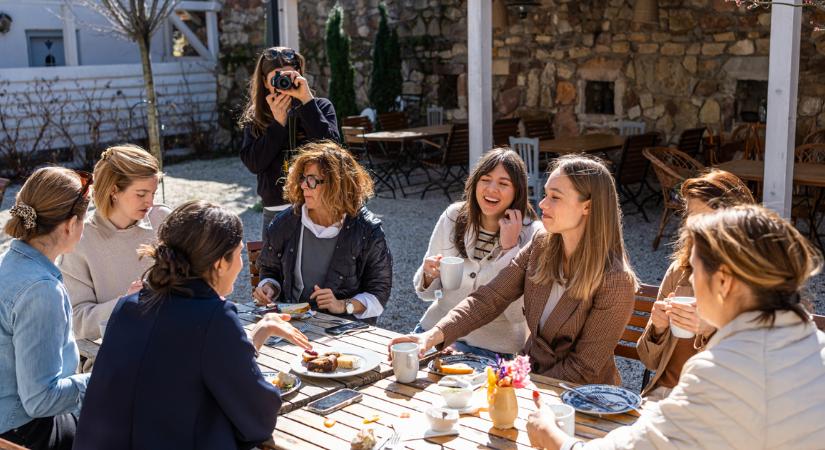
x,y
386,80
341,80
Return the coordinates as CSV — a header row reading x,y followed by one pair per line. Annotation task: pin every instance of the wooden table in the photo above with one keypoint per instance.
x,y
408,134
807,174
301,429
588,143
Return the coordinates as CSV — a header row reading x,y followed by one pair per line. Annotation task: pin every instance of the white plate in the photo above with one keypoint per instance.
x,y
369,360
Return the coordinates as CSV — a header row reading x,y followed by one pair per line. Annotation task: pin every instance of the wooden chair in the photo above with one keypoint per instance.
x,y
633,169
629,128
819,321
538,128
253,250
817,137
753,135
503,129
392,121
690,141
6,445
435,115
626,347
671,167
4,183
454,157
528,150
357,121
806,198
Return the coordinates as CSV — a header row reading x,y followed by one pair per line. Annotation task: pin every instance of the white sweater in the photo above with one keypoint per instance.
x,y
508,332
753,388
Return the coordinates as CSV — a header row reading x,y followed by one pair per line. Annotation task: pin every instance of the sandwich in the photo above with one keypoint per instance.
x,y
294,309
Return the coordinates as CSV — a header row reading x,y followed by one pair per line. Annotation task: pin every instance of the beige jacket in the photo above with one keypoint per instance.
x,y
576,342
655,351
754,387
103,265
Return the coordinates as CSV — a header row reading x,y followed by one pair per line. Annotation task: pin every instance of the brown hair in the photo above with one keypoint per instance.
x,y
718,189
119,167
181,255
257,112
601,248
49,193
347,185
469,215
761,250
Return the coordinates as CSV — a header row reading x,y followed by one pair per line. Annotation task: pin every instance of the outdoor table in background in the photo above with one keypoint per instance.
x,y
588,143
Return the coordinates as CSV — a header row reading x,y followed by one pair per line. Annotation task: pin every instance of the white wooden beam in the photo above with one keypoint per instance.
x,y
783,80
191,37
198,6
480,77
212,40
69,35
288,23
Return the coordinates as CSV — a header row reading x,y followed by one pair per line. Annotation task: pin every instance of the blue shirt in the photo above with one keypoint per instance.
x,y
38,354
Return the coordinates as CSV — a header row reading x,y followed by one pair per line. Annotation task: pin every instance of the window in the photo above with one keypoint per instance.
x,y
751,100
45,48
598,97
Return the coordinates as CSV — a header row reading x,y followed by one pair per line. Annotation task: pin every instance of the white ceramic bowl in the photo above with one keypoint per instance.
x,y
442,419
457,397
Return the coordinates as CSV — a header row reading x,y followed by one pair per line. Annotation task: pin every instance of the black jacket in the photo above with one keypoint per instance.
x,y
181,375
264,155
361,261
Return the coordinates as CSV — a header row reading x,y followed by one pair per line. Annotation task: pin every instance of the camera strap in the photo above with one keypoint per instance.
x,y
292,127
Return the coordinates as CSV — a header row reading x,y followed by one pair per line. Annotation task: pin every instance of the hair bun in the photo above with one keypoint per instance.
x,y
26,213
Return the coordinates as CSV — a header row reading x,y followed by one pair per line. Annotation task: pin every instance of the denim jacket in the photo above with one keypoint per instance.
x,y
38,354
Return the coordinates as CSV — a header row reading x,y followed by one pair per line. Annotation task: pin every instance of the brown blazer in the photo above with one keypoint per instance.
x,y
576,342
655,351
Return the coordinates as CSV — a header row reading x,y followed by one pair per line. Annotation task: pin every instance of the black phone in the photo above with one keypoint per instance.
x,y
334,402
341,329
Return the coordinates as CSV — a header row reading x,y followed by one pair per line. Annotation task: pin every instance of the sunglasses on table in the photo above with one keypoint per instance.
x,y
86,181
311,180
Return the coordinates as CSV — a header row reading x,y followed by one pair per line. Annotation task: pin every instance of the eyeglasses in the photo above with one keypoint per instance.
x,y
286,57
311,180
86,181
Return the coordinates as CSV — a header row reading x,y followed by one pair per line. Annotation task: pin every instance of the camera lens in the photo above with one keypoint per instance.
x,y
282,82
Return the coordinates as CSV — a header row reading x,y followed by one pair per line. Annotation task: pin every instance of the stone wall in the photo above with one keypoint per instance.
x,y
678,74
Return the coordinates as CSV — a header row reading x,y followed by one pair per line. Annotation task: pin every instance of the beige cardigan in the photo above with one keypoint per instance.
x,y
754,387
576,342
103,265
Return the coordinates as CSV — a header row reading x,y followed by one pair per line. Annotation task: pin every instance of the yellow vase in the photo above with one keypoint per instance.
x,y
503,407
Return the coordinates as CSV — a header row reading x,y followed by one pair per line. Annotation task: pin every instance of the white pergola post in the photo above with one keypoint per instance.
x,y
288,23
480,77
69,35
783,79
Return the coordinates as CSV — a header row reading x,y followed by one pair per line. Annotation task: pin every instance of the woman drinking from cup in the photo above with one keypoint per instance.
x,y
659,348
577,284
471,243
760,382
176,369
40,394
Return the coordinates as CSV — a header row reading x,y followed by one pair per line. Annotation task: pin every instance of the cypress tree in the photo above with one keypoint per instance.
x,y
342,76
386,80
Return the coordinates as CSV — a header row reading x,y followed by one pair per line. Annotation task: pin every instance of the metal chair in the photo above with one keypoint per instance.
x,y
503,129
671,167
435,115
807,201
629,128
392,121
633,169
528,150
456,156
538,128
371,156
817,137
690,141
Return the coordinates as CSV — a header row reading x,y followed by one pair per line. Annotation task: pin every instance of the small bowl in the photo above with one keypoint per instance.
x,y
442,419
457,397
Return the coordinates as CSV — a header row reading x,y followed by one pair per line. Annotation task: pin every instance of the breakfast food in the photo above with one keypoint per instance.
x,y
323,364
349,362
364,440
294,309
452,369
309,355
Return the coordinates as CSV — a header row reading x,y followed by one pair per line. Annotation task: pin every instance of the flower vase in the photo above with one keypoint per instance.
x,y
503,407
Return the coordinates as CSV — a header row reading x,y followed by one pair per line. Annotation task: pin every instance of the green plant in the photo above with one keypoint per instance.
x,y
342,74
386,80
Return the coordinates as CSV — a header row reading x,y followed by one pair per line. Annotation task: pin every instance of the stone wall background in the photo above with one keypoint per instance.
x,y
679,74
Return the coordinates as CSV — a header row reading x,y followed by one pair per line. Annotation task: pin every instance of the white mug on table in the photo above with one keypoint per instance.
x,y
405,361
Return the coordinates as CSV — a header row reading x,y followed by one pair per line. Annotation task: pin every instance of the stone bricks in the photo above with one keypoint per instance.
x,y
810,106
742,48
724,37
565,93
673,49
713,49
710,112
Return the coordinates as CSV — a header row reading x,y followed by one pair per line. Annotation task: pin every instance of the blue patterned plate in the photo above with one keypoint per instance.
x,y
286,382
601,399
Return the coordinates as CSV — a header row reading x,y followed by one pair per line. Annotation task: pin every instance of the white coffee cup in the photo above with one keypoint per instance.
x,y
452,270
678,331
565,417
102,327
405,361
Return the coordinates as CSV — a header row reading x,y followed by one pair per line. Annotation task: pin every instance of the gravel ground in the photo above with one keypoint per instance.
x,y
407,223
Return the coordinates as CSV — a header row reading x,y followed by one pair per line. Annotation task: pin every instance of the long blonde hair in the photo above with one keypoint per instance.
x,y
601,248
118,168
760,249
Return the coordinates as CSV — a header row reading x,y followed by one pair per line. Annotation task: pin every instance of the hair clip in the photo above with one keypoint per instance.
x,y
26,213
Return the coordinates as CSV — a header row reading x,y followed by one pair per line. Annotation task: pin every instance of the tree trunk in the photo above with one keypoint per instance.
x,y
153,119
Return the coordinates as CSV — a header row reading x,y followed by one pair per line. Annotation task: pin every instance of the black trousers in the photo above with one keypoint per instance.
x,y
45,433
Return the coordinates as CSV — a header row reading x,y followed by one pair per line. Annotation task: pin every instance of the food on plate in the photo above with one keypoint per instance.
x,y
323,364
329,423
294,309
284,381
456,369
404,415
349,362
309,355
373,419
364,440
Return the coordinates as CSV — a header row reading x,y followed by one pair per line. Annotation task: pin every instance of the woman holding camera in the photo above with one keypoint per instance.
x,y
280,116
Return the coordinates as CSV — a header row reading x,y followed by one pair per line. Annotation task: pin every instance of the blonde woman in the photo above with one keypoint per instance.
x,y
576,280
760,382
659,350
328,249
105,264
40,394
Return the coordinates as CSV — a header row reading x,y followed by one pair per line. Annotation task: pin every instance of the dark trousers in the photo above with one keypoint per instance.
x,y
45,433
267,218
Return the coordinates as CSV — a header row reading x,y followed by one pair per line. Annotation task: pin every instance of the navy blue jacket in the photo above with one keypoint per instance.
x,y
181,375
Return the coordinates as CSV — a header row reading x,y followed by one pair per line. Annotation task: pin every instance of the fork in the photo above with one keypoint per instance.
x,y
393,441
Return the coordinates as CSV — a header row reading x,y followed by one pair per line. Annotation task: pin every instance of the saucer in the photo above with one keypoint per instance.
x,y
472,408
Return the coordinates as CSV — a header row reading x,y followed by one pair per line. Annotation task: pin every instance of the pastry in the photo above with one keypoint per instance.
x,y
324,364
456,369
309,355
349,362
364,440
294,309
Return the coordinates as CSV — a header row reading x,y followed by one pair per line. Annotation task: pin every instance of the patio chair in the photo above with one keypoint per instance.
x,y
630,128
357,121
528,150
370,155
819,321
392,121
626,347
633,169
453,161
808,201
671,167
753,135
253,250
690,141
4,183
817,137
435,115
538,128
503,129
6,445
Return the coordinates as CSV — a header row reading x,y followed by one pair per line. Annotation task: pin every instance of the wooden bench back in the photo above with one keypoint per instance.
x,y
819,321
253,250
6,445
645,297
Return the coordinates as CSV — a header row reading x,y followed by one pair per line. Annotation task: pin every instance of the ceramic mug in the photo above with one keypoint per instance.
x,y
678,331
452,270
405,361
565,417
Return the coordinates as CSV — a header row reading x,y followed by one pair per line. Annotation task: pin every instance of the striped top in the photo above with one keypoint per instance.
x,y
485,244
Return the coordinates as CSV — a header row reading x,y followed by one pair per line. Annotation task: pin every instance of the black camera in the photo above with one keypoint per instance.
x,y
282,82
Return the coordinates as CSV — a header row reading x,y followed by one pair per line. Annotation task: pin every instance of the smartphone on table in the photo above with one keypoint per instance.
x,y
334,401
338,330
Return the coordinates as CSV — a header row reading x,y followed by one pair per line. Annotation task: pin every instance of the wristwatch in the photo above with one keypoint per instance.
x,y
348,306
